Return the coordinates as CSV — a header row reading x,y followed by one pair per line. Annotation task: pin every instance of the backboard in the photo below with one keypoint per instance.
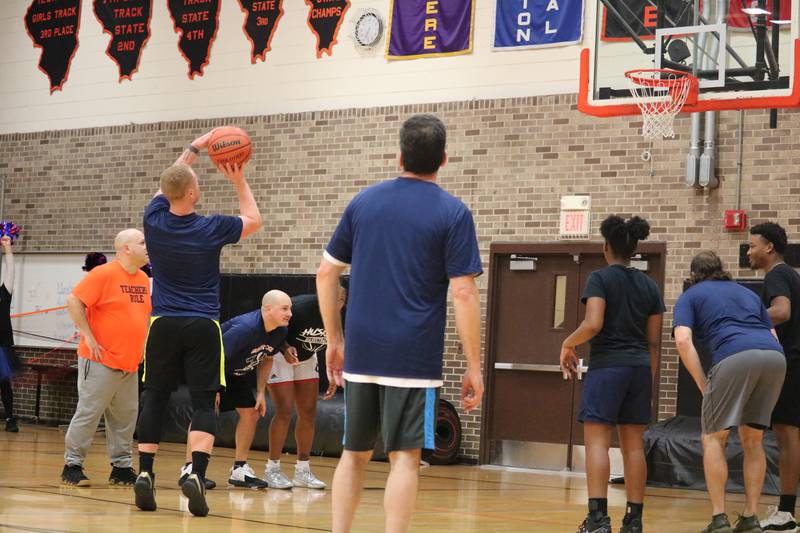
x,y
744,53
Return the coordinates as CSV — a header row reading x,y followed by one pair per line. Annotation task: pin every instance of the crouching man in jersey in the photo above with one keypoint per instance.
x,y
250,341
295,386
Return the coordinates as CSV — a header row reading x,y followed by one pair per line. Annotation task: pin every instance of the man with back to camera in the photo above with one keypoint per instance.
x,y
110,307
781,296
184,335
395,319
251,341
296,385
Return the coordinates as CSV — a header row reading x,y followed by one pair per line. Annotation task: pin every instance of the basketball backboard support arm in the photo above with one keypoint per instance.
x,y
758,70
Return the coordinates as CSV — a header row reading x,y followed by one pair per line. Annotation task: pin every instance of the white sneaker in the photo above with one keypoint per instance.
x,y
306,479
778,521
244,476
276,480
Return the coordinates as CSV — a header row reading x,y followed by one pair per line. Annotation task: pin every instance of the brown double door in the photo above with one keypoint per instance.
x,y
534,304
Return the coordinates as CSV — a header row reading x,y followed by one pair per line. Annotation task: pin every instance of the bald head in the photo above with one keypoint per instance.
x,y
131,250
127,236
276,309
275,297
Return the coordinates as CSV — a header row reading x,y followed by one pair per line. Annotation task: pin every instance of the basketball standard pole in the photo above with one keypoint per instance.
x,y
776,35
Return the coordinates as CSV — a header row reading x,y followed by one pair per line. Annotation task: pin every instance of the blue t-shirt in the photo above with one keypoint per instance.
x,y
725,319
404,238
184,252
247,343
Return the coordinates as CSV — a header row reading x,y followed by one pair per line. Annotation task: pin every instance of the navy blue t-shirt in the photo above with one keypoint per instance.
x,y
184,252
404,238
247,343
632,297
725,318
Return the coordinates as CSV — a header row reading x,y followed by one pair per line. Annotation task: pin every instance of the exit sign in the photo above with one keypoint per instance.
x,y
575,217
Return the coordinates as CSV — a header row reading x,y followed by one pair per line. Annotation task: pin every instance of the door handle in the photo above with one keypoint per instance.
x,y
527,367
581,369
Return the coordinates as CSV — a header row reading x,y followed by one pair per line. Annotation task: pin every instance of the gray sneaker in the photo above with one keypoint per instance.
x,y
306,479
276,480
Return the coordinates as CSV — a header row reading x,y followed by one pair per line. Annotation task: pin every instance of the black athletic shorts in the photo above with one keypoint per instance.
x,y
787,410
184,345
238,393
405,417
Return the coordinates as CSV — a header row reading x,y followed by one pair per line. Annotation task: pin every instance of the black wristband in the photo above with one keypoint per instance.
x,y
193,149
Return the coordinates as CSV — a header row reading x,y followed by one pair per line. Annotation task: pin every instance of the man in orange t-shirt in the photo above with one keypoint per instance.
x,y
111,309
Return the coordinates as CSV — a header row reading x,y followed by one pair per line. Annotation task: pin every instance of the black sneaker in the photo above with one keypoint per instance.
x,y
590,526
73,475
631,524
145,491
719,524
122,476
194,489
747,524
186,470
11,425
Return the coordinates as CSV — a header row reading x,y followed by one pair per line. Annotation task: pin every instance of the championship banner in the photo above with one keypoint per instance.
x,y
260,25
738,19
53,26
128,24
430,28
537,23
641,17
196,21
324,18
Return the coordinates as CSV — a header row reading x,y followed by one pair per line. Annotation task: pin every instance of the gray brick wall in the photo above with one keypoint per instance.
x,y
510,161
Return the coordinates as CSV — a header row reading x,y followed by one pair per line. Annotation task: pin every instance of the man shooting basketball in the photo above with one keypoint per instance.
x,y
184,335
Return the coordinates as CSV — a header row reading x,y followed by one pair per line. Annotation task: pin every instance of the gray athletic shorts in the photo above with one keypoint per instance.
x,y
404,417
743,389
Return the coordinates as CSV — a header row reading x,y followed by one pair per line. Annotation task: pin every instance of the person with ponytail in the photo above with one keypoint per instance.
x,y
743,384
624,309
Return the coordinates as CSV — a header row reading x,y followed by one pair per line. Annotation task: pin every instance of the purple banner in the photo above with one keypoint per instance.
x,y
430,28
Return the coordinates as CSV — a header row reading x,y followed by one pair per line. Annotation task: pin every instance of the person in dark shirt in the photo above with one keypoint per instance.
x,y
251,341
781,296
743,384
9,363
296,386
184,335
623,325
407,241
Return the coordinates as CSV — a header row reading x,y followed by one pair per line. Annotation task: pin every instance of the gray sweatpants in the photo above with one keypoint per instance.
x,y
103,391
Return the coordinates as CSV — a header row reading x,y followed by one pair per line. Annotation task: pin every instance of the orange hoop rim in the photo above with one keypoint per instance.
x,y
639,77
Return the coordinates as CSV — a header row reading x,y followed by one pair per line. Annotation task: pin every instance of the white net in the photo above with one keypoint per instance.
x,y
660,95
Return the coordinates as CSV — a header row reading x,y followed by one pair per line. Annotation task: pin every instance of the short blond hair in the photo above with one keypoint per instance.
x,y
175,181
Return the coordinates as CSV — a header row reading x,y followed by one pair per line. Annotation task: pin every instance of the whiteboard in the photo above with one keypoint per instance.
x,y
43,281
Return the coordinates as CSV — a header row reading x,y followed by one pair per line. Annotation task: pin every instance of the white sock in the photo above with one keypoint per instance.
x,y
302,466
273,465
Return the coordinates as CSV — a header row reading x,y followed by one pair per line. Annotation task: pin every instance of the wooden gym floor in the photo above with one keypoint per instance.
x,y
451,499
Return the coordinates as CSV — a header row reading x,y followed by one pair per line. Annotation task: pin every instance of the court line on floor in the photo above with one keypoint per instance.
x,y
35,529
182,513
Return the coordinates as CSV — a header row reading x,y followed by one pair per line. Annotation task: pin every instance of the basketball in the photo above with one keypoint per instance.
x,y
229,144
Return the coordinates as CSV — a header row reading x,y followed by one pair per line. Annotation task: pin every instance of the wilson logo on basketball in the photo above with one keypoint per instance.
x,y
225,144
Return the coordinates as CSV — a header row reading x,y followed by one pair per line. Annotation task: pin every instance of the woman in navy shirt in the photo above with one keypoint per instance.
x,y
623,325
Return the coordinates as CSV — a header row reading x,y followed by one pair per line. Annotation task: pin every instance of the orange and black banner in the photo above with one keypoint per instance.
x,y
260,24
197,22
128,24
324,18
53,26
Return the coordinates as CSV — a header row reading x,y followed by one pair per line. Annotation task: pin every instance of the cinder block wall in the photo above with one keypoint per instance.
x,y
510,160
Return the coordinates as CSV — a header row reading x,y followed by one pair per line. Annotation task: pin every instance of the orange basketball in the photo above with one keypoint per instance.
x,y
229,144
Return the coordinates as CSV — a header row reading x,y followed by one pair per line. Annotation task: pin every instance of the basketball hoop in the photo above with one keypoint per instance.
x,y
660,95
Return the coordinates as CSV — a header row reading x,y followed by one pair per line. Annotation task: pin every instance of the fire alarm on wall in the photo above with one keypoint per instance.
x,y
735,220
